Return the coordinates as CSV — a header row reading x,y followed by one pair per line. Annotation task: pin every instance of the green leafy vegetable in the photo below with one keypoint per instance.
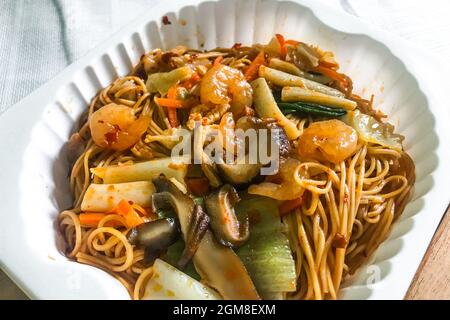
x,y
306,108
172,256
371,130
162,81
313,109
174,252
266,255
266,107
167,213
199,201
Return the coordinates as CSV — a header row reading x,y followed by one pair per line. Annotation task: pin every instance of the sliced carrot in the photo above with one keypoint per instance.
x,y
170,103
172,112
328,64
141,211
188,84
144,212
132,218
172,92
129,211
282,42
92,220
218,60
123,208
252,71
172,116
198,186
289,205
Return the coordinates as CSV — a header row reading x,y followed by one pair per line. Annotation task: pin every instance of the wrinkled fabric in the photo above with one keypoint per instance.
x,y
39,38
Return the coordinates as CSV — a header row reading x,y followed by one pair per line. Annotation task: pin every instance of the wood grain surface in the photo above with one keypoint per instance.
x,y
432,279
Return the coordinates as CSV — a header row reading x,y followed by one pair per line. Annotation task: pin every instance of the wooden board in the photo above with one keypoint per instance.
x,y
432,279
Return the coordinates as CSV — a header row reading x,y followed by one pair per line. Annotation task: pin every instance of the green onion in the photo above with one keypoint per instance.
x,y
199,201
312,109
307,108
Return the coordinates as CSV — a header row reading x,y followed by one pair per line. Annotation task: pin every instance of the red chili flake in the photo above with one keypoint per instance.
x,y
112,136
339,241
101,121
165,20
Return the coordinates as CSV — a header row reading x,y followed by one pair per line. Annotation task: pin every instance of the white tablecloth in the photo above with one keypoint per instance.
x,y
39,38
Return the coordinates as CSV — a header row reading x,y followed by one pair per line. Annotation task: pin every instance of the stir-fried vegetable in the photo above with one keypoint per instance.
x,y
173,104
167,282
155,232
371,130
173,255
267,255
197,229
162,81
291,68
306,55
143,171
131,216
91,220
312,109
280,78
155,236
218,265
266,107
283,79
252,71
104,197
282,42
285,66
273,48
226,227
294,94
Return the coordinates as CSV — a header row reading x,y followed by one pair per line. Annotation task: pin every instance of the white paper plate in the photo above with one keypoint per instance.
x,y
33,174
